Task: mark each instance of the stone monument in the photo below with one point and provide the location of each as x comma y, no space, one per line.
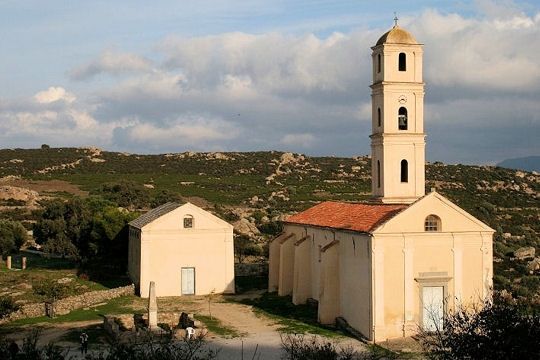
152,307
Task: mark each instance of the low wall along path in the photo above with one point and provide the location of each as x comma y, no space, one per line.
66,305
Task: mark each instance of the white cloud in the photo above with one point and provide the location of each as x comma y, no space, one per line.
54,116
54,94
238,91
494,54
270,63
190,130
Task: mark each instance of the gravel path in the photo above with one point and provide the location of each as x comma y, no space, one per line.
260,338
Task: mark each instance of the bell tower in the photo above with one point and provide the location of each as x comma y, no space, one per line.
397,139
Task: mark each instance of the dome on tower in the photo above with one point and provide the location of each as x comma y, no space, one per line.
397,35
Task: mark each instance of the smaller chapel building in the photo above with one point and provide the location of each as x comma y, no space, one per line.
404,259
184,249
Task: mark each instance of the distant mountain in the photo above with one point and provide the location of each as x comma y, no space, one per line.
529,163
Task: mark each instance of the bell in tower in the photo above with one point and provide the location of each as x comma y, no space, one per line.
397,139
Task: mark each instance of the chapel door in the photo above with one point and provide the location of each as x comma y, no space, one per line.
433,307
188,281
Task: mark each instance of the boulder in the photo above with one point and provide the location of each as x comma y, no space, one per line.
243,226
534,265
524,253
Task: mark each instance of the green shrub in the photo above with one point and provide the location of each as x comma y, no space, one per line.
497,330
7,306
50,290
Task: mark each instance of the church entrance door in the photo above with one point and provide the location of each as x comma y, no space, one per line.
433,307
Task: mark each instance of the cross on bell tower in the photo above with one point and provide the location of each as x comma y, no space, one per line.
397,139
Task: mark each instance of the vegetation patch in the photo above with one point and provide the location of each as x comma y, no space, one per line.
121,305
215,326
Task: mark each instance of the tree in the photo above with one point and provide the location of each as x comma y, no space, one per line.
12,236
45,147
84,229
245,246
496,330
63,227
128,194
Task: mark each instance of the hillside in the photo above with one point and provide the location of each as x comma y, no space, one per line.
256,189
528,163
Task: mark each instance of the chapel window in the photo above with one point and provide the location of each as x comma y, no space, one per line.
188,222
404,171
379,117
402,62
432,223
402,118
379,63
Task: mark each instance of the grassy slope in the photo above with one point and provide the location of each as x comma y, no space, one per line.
504,199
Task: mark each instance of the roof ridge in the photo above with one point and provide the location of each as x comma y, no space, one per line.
154,214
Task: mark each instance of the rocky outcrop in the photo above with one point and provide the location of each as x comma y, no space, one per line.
534,265
525,253
245,227
16,193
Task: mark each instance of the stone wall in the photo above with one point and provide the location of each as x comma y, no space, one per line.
64,306
257,269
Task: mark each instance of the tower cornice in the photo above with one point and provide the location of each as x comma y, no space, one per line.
390,84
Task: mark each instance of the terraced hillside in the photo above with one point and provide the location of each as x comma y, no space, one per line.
256,189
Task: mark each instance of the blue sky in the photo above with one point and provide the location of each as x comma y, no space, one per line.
171,76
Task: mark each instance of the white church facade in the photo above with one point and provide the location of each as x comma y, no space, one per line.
403,259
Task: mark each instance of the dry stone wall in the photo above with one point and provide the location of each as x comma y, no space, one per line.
64,306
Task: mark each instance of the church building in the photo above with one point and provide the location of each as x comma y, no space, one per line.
183,249
403,259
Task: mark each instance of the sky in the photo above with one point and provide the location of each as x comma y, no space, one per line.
171,76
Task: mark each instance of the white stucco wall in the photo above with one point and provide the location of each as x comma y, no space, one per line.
166,247
459,257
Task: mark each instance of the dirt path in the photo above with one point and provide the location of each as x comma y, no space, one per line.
53,332
260,338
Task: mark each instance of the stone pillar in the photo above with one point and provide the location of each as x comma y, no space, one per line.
23,262
152,307
8,262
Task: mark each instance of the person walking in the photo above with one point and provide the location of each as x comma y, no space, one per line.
84,343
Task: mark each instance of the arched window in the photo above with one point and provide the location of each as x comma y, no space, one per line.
404,171
402,62
402,118
378,116
188,222
379,63
432,223
378,173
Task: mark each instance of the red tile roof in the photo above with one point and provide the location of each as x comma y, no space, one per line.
349,216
